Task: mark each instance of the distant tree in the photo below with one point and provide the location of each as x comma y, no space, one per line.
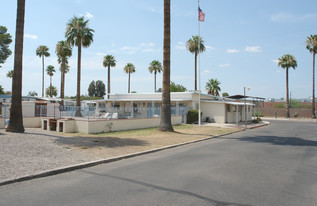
5,41
100,89
1,90
32,94
287,61
50,70
311,45
10,74
177,87
225,94
109,61
92,89
195,46
129,69
42,51
79,34
155,67
133,92
51,91
212,86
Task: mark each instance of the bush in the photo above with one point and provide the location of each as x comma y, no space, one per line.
295,115
259,119
258,113
192,116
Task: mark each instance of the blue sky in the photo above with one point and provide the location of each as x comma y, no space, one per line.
243,38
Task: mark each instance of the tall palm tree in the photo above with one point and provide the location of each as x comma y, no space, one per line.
195,45
129,69
50,70
109,61
79,34
16,120
155,67
287,61
166,119
311,45
10,73
212,86
42,51
63,51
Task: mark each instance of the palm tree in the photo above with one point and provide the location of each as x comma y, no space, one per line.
16,120
79,34
155,67
50,71
10,73
63,51
311,45
129,69
212,86
166,120
195,46
42,51
287,61
109,61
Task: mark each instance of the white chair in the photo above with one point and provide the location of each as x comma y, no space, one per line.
106,116
114,115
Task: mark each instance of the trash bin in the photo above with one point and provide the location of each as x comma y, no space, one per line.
207,119
275,114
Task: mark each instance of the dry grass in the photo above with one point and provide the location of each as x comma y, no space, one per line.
113,144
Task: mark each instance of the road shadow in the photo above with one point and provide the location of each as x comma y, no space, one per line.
108,142
157,187
274,140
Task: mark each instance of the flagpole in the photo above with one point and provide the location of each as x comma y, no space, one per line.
199,113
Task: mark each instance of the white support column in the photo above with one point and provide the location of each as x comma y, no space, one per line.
152,109
132,111
237,114
177,108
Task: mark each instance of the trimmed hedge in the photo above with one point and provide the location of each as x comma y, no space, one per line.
192,116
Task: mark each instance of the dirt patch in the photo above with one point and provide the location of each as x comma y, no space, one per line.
113,144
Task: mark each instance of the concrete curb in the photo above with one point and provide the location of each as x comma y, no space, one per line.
108,160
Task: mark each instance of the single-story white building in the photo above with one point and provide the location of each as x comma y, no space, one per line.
214,108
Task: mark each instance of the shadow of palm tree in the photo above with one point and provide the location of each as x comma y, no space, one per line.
274,140
109,142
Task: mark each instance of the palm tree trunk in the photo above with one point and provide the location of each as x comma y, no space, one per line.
42,75
166,120
154,82
16,119
108,80
51,86
62,80
195,71
129,84
78,113
287,101
313,106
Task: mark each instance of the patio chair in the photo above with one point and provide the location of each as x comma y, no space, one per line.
106,116
114,115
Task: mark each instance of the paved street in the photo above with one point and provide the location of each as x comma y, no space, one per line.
272,165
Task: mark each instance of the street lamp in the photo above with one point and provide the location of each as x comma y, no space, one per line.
245,106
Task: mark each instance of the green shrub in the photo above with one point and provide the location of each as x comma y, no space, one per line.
295,115
258,113
192,116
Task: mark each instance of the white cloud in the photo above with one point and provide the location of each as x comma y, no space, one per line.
150,50
180,45
224,65
275,61
210,47
129,50
253,49
31,36
147,44
88,15
230,51
288,17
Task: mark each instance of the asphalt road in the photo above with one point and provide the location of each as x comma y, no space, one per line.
272,165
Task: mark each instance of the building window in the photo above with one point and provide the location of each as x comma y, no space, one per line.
228,107
233,108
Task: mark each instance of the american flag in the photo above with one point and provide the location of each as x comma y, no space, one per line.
201,15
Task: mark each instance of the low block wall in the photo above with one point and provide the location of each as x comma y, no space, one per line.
28,122
100,126
281,112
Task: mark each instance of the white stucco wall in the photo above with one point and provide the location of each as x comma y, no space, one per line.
215,111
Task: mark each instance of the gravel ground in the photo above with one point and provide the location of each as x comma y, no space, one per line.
35,151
